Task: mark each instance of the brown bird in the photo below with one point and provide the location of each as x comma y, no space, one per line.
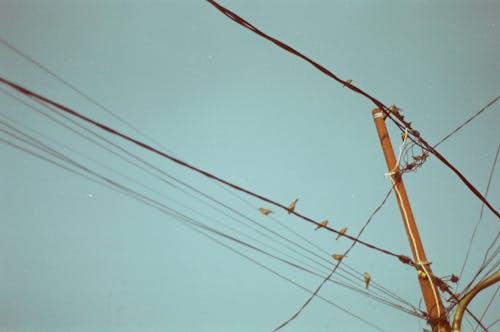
341,232
348,82
367,277
321,224
337,257
291,207
422,157
395,110
265,211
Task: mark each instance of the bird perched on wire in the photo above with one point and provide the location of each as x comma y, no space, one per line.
321,224
265,211
341,232
395,110
291,207
367,277
337,257
348,82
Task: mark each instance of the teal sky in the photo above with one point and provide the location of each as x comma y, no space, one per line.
78,256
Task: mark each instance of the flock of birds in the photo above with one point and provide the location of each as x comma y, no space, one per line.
324,223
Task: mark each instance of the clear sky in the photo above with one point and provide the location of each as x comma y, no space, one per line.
79,256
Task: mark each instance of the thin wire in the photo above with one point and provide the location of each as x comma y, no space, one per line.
192,222
335,267
494,323
349,85
51,151
486,261
378,298
480,214
174,179
373,283
78,91
466,122
488,306
180,162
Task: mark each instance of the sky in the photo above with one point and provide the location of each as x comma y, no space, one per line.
78,254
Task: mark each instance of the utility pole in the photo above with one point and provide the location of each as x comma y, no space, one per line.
436,313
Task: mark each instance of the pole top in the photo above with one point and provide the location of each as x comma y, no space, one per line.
378,113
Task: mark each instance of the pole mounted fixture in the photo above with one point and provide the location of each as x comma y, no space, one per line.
436,313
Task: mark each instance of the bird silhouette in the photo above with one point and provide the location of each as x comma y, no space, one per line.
265,211
321,224
341,232
367,277
291,207
337,257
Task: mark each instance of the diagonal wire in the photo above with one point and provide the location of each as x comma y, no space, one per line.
399,121
171,212
487,306
182,163
336,265
480,214
49,150
466,122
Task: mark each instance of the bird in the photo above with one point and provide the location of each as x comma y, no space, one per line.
395,110
291,207
341,232
367,277
265,211
348,82
422,157
321,224
337,257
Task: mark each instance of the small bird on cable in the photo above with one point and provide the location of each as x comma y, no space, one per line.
265,211
337,257
367,277
341,232
422,157
321,224
291,207
348,82
395,110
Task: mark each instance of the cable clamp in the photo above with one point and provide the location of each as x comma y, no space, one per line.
423,263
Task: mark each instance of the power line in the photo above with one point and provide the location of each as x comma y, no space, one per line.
480,214
466,122
143,145
75,89
488,306
233,16
378,298
179,216
336,265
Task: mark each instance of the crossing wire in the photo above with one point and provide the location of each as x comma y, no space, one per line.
396,118
336,265
172,212
54,153
207,174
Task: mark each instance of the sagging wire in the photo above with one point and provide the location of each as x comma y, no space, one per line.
160,206
396,117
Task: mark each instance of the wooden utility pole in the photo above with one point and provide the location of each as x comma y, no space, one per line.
436,313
